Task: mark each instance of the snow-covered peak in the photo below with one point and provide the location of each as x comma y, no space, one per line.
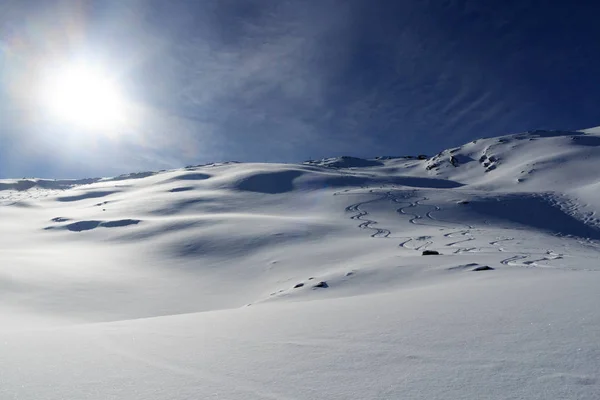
470,274
536,160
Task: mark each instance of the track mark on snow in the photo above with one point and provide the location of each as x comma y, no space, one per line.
365,222
466,232
460,241
517,261
500,240
467,250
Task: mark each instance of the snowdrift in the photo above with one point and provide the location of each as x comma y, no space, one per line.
255,281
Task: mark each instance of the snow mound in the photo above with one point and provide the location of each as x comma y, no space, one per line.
212,279
522,162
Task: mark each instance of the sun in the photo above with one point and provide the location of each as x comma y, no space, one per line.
83,96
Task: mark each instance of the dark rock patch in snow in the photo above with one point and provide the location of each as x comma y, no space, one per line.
483,268
321,284
460,159
430,253
465,266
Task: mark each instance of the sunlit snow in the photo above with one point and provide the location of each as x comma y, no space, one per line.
308,281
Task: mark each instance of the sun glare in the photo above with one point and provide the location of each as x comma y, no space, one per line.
83,96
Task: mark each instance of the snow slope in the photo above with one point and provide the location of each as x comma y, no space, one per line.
264,281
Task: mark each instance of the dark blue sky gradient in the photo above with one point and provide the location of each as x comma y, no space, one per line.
288,80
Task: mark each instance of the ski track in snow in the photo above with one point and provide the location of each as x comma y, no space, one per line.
367,223
173,300
427,219
408,209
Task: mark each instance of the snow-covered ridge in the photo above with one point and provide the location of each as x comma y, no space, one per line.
62,184
253,281
523,155
538,147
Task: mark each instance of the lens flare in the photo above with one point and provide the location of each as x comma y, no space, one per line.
83,96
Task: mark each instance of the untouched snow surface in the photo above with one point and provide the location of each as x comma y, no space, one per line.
272,281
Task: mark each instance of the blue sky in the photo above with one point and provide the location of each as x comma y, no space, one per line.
284,81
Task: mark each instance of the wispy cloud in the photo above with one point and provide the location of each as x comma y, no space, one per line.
283,80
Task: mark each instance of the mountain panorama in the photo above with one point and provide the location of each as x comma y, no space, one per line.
470,274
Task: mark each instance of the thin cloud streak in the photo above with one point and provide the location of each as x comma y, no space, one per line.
284,81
